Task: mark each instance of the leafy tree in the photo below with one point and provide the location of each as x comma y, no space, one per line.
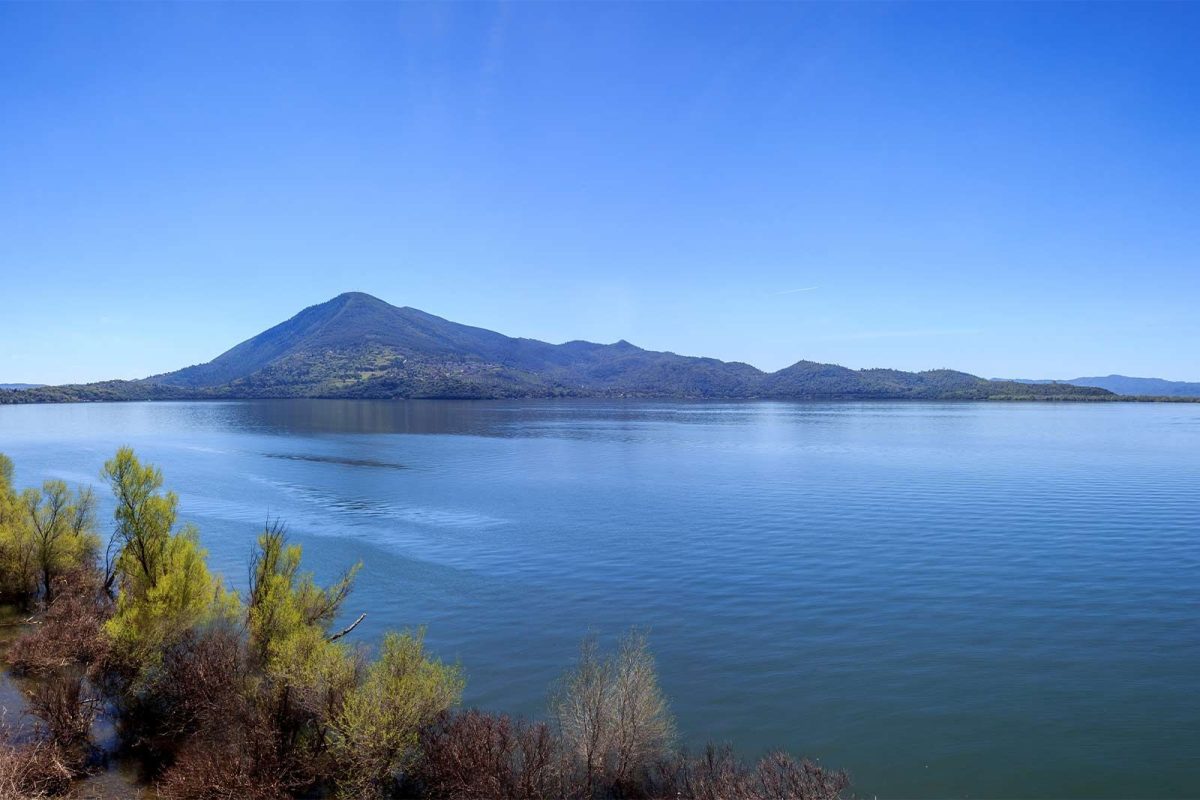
165,587
61,525
6,491
17,568
144,519
308,672
44,533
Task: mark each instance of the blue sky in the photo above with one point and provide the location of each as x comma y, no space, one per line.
1004,189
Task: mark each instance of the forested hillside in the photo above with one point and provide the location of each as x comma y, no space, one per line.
357,346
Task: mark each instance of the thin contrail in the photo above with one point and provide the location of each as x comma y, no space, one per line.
793,291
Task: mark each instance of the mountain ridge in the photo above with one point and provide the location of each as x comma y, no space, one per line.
1128,386
358,346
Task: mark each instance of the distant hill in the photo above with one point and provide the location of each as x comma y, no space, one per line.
357,346
1125,385
20,385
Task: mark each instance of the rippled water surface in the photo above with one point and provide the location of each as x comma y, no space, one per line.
949,600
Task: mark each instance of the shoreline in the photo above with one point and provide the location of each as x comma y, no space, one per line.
1065,400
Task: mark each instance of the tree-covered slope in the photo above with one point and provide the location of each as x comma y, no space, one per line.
1126,385
356,345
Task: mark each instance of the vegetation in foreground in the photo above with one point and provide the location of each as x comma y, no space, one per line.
220,695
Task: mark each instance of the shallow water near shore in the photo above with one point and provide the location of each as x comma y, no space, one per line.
946,599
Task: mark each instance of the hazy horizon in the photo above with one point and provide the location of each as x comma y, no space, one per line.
1006,190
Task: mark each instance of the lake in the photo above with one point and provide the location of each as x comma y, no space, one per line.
946,599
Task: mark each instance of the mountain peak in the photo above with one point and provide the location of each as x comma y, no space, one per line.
353,298
356,345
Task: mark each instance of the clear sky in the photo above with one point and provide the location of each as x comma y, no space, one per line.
1012,190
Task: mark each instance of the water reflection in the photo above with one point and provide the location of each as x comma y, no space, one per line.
457,417
509,418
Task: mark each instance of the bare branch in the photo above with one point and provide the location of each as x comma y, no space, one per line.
346,630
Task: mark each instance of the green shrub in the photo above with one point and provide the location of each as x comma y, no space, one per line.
285,604
378,727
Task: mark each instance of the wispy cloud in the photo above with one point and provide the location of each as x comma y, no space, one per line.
795,291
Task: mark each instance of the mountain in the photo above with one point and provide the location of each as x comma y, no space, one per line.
1125,385
358,346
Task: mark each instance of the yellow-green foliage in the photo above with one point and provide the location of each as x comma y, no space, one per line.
144,518
61,524
288,618
184,596
7,498
17,571
165,587
308,659
360,721
43,533
286,605
377,727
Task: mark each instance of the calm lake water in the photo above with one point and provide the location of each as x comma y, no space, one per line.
948,600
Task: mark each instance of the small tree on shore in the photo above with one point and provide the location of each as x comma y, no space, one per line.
44,534
612,715
61,525
162,576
